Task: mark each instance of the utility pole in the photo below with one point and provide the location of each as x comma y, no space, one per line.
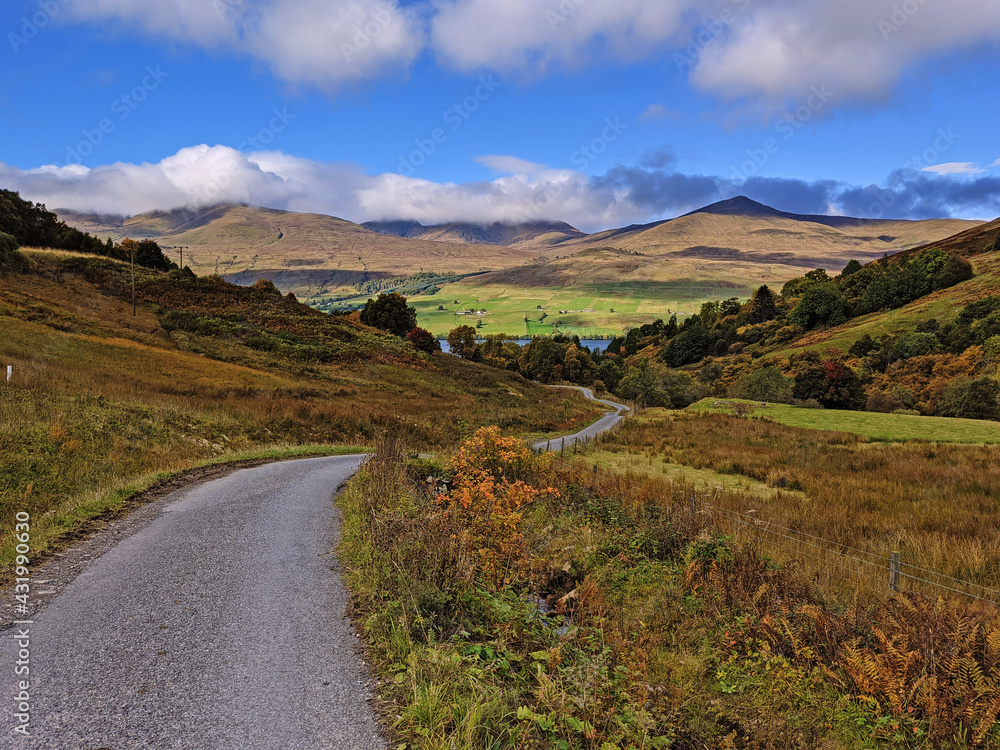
132,256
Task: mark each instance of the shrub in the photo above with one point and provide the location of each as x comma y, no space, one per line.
882,402
490,473
765,384
266,286
423,340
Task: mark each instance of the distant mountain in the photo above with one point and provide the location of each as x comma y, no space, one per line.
743,230
306,253
743,206
737,242
503,235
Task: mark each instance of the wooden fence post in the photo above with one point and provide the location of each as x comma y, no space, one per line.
894,567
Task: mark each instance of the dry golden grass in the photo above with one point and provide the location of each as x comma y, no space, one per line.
834,496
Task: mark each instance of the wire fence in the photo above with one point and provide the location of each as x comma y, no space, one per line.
839,570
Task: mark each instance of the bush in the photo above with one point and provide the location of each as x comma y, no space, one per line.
490,472
765,384
882,402
10,258
266,286
423,341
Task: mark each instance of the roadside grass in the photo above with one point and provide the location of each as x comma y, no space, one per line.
100,399
935,503
704,481
873,425
629,621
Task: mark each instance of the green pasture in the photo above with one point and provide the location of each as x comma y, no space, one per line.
881,427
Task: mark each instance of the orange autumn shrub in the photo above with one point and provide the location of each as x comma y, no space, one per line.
491,476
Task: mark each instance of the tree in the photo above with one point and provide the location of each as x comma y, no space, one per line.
610,373
462,341
971,399
541,360
832,384
798,287
765,384
266,286
150,255
852,268
642,386
762,306
390,313
423,340
10,258
821,305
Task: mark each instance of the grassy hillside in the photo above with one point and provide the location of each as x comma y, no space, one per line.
204,371
941,305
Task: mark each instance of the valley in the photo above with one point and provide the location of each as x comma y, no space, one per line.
604,282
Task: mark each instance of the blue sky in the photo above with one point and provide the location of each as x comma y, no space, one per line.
597,112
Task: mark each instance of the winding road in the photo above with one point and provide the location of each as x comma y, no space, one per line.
221,624
603,424
219,620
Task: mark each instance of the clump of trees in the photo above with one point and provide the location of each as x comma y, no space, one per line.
33,225
390,313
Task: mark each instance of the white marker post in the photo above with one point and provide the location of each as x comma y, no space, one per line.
10,372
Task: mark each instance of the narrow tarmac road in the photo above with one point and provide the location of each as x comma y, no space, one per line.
603,424
221,624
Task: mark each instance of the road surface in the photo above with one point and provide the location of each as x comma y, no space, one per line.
603,424
221,624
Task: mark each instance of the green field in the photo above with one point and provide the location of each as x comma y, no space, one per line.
613,307
881,427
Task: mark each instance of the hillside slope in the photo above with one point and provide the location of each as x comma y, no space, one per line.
207,370
943,306
310,254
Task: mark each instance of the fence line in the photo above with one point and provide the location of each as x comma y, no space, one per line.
892,569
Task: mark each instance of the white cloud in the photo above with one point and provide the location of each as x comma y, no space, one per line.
509,165
323,42
778,49
532,35
658,112
205,175
996,163
955,167
768,51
